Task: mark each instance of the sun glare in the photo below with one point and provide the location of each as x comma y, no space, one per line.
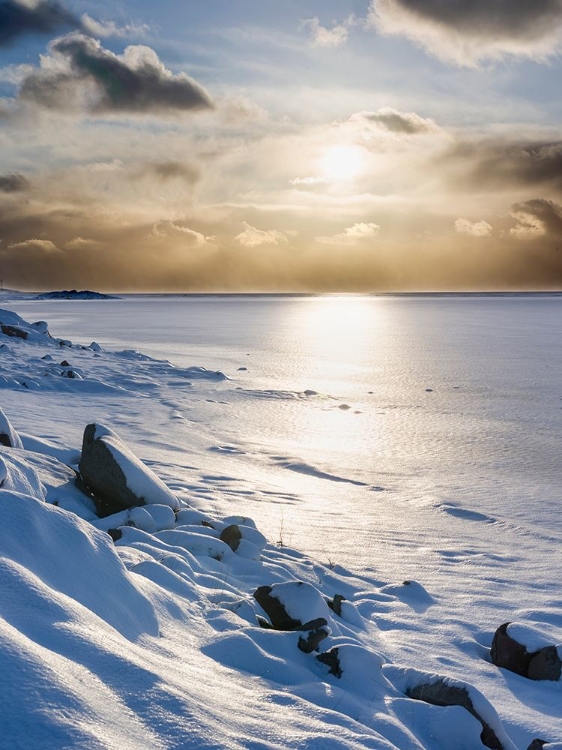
340,163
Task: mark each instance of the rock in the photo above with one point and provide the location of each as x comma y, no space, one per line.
231,535
8,436
509,654
65,363
291,604
14,331
317,631
441,693
116,478
331,660
539,664
277,613
115,534
335,604
545,665
537,744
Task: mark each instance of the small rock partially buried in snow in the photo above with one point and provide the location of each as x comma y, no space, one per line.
116,477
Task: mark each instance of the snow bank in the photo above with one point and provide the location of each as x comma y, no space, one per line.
155,636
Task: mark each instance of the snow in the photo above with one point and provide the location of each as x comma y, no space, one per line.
530,637
153,641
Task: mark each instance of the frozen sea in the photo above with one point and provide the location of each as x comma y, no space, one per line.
403,438
385,407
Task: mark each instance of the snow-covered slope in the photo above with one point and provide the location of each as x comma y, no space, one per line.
141,629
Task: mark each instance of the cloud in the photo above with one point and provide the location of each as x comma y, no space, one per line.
321,36
81,74
465,32
308,181
537,218
252,237
352,235
166,229
18,17
402,123
110,28
505,163
13,183
476,229
34,245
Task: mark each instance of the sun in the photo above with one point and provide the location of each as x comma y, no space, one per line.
342,163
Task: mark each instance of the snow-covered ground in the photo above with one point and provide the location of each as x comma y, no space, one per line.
387,440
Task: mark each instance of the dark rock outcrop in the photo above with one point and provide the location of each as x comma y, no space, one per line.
275,610
331,659
317,631
232,536
335,604
441,693
506,652
106,469
14,331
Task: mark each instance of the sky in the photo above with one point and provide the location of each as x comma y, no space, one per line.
311,146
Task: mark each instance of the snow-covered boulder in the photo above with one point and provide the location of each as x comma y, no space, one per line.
526,651
116,477
238,536
438,690
8,436
292,604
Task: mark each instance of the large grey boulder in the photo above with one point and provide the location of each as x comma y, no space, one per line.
115,477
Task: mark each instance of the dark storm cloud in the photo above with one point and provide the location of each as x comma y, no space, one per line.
96,79
492,164
466,31
13,183
516,18
45,17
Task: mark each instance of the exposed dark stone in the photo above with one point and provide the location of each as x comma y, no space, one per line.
5,440
14,331
545,665
231,536
332,660
335,604
105,479
509,654
439,693
537,745
115,534
263,623
106,464
317,632
506,652
65,363
275,610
